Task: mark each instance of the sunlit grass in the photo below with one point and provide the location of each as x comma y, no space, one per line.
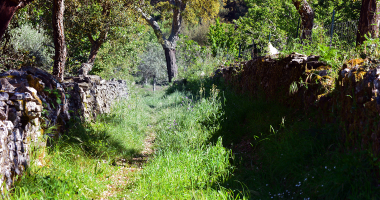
210,143
80,164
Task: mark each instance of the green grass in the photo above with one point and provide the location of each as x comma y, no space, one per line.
210,143
186,164
80,164
282,152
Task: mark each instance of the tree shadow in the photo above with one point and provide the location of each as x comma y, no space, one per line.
275,146
95,142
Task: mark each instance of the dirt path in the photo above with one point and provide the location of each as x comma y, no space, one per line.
126,169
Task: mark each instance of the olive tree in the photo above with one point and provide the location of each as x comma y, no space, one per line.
178,10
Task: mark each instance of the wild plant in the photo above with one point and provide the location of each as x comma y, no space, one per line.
34,43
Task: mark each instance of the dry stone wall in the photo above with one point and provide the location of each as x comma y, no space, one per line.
310,77
351,98
32,100
90,95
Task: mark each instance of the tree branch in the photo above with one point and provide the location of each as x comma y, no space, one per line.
179,7
157,30
22,4
177,20
90,38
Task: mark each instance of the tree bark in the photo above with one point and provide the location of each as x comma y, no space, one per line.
368,21
154,83
7,10
96,44
171,63
307,16
59,39
169,44
94,52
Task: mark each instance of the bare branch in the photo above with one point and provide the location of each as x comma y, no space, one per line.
157,30
90,38
179,6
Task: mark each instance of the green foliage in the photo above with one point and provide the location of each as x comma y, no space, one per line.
197,32
185,174
345,10
153,63
119,58
370,47
186,165
278,18
98,20
205,10
222,36
34,43
195,61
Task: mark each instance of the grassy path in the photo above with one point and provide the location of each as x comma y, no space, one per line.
172,144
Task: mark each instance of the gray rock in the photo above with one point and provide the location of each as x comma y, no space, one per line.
6,86
18,104
4,96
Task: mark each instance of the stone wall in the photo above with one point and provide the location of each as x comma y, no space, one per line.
90,95
351,98
273,78
31,100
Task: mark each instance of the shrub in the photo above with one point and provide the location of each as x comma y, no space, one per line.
153,63
198,32
195,61
119,57
34,43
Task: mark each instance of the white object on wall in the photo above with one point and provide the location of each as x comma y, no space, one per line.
272,50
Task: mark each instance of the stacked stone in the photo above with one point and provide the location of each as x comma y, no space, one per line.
20,114
353,98
358,103
24,94
90,95
273,78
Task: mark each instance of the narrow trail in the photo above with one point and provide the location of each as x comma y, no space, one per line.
126,169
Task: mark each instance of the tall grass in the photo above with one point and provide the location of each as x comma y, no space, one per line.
210,143
281,152
186,164
80,165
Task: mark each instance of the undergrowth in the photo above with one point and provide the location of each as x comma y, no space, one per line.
79,165
186,165
210,143
286,153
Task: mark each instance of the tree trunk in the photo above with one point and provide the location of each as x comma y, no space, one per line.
94,52
59,39
307,16
154,83
169,44
96,44
368,21
171,63
7,10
